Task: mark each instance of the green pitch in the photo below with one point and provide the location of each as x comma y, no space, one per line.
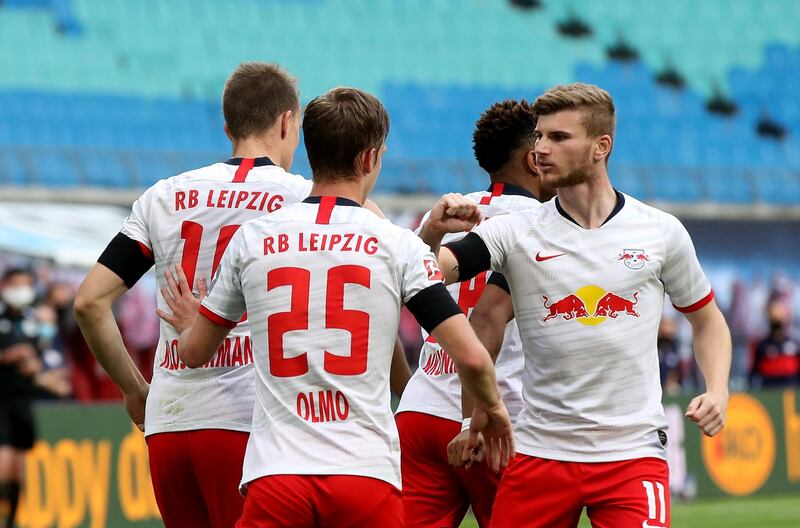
781,511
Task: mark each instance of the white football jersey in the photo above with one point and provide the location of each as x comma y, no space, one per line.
189,219
588,304
434,388
323,283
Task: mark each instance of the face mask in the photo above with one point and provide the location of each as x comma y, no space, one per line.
47,331
18,296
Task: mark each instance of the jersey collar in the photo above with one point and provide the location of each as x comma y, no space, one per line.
257,162
497,188
338,201
617,208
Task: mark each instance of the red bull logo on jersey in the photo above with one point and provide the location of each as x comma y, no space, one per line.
590,305
634,259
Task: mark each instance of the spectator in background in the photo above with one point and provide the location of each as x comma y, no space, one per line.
669,357
60,296
139,326
777,359
19,365
53,379
739,316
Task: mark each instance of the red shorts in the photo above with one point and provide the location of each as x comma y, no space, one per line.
536,492
435,494
196,476
309,501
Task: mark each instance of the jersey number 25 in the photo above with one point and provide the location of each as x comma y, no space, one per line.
354,321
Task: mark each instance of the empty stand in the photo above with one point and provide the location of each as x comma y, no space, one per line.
140,83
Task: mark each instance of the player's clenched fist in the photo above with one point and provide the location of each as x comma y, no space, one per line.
453,213
708,412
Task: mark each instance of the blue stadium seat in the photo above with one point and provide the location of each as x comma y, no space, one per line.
145,95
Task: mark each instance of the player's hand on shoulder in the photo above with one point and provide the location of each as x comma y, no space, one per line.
459,452
498,435
181,300
135,403
453,213
708,411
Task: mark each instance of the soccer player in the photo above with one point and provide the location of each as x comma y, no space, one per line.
429,413
587,274
188,220
322,283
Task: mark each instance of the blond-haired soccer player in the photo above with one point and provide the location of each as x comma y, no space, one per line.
430,414
587,273
322,283
188,220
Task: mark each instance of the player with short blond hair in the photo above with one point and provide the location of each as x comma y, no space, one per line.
587,273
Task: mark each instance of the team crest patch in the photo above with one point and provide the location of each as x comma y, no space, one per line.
634,258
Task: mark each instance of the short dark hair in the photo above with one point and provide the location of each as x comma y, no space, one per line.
17,270
339,125
501,130
255,95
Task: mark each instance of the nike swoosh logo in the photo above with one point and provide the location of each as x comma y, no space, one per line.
540,258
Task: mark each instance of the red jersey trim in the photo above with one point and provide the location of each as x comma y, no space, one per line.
146,251
497,190
696,306
216,319
244,168
326,204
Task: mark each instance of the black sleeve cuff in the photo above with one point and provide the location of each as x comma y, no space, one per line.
125,257
472,255
498,280
432,305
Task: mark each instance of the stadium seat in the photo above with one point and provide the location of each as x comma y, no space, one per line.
441,75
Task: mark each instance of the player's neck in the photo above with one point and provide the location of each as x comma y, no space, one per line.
352,190
253,147
516,178
516,171
589,203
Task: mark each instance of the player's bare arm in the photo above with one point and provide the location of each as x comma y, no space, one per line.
401,372
488,319
93,302
711,341
453,213
198,343
476,372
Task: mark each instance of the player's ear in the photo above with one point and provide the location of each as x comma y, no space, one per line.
366,160
603,147
227,132
530,162
286,123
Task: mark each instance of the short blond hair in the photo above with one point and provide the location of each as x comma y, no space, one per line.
596,104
